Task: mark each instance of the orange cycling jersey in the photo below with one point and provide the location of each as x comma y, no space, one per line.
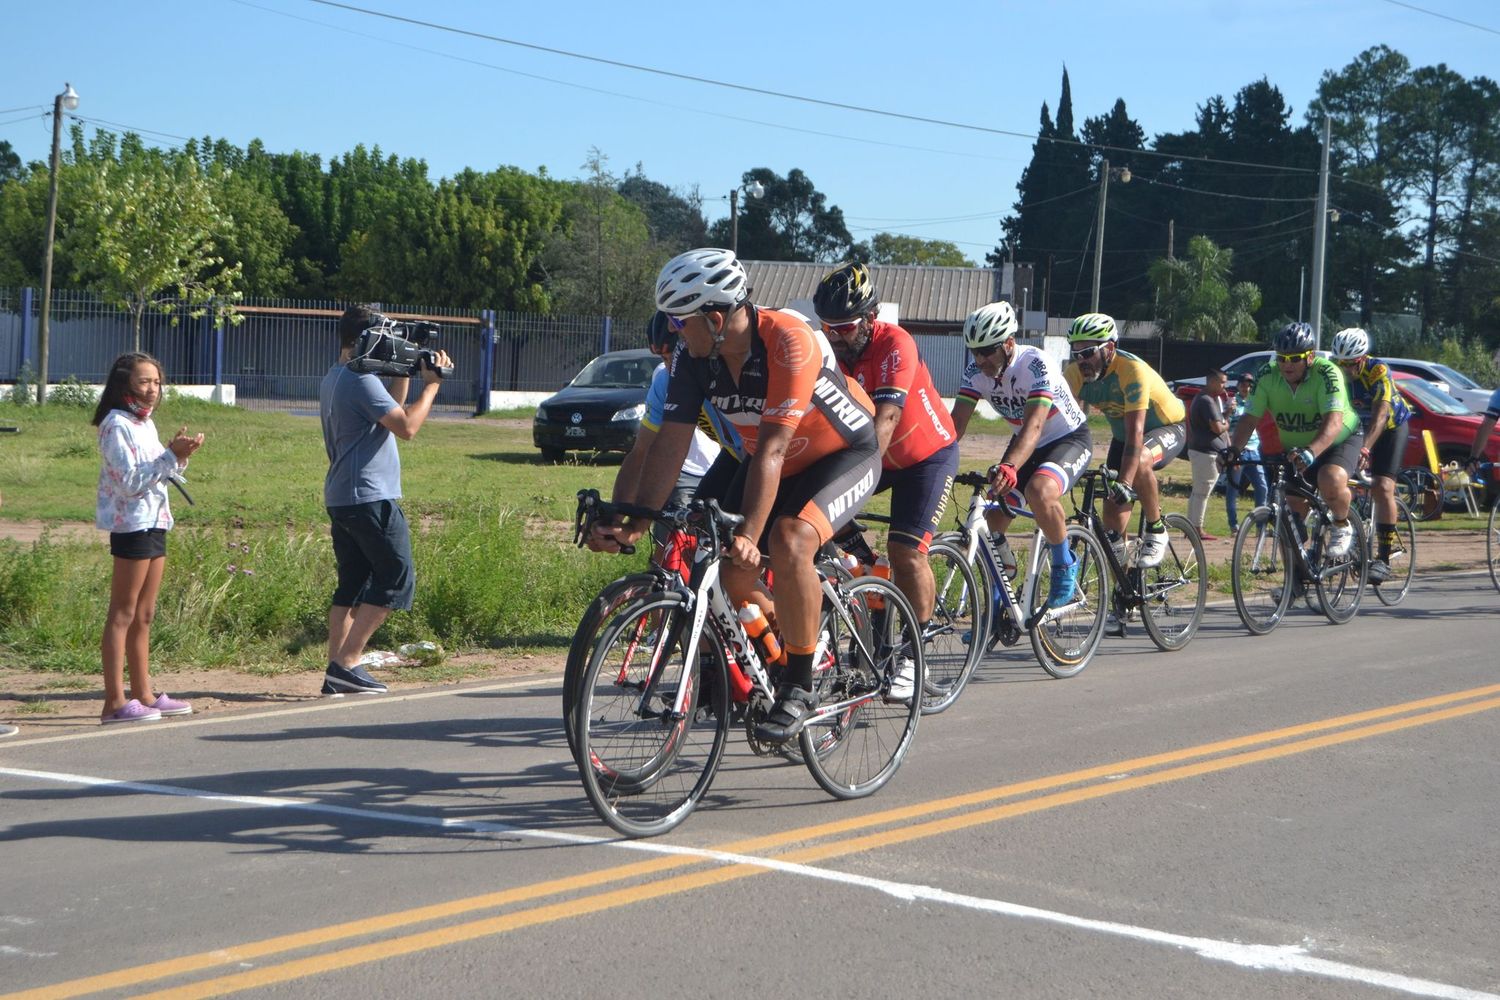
789,378
891,371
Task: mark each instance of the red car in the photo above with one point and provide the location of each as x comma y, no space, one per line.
1452,424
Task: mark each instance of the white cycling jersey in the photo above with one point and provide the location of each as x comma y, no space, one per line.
1031,377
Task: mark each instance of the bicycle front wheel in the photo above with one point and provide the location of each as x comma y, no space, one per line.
860,733
1174,591
957,616
1261,573
1064,641
1492,544
586,639
1403,559
1341,581
646,754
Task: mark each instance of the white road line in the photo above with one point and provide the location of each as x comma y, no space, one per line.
1260,957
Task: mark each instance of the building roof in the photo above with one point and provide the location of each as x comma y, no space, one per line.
925,294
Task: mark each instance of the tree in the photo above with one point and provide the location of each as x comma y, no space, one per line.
10,164
602,259
791,221
1195,299
898,248
675,219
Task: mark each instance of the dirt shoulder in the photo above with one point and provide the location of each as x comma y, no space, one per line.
49,703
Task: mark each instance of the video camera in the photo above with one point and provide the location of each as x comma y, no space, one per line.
398,349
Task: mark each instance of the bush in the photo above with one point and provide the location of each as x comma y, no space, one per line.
72,392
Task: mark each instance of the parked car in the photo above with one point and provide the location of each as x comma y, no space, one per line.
599,410
1187,388
1451,422
1456,384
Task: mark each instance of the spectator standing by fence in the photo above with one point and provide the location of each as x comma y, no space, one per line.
1208,434
132,506
1235,477
371,539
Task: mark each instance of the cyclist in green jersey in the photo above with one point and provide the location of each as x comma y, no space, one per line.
1145,420
1307,398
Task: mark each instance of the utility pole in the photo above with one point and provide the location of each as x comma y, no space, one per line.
68,100
1320,241
1099,232
1171,238
734,221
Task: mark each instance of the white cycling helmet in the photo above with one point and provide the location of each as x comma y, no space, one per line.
707,278
1093,326
1350,344
991,325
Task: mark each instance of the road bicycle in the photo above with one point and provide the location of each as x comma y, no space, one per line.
1276,555
1169,596
1403,561
1492,531
950,657
1064,639
659,691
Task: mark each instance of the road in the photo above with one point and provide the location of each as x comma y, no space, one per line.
1308,814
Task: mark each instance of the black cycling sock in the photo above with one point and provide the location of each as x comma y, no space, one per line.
1385,534
799,670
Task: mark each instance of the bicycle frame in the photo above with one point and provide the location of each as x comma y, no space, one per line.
976,535
1282,488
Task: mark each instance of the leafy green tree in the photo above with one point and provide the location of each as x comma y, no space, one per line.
676,220
148,233
10,164
602,260
791,221
1195,298
898,248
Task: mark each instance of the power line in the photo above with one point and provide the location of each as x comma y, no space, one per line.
1224,194
1445,17
24,107
783,95
23,118
130,128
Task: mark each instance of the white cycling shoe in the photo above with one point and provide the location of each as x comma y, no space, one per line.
1153,549
1340,541
904,684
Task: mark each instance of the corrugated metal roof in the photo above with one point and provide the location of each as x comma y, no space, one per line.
943,295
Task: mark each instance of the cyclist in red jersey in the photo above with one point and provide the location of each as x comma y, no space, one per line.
810,435
918,445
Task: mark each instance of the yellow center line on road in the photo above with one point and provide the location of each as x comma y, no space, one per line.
629,895
321,936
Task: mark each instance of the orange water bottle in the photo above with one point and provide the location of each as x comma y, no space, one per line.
754,620
882,569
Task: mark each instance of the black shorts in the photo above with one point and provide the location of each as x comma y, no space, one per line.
372,547
1061,460
715,482
1161,444
827,494
919,495
148,544
1390,448
1345,455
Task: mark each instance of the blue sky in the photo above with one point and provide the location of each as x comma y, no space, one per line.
300,75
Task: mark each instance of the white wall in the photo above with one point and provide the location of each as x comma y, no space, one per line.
212,393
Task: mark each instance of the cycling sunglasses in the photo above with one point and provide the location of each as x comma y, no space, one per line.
842,328
1088,352
1287,359
984,352
676,323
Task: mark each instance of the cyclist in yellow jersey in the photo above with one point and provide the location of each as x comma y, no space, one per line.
1145,419
1373,391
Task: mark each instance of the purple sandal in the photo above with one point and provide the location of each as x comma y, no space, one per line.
131,711
167,705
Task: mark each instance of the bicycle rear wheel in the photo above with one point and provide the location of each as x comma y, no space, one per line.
1341,582
1065,642
858,738
1492,544
645,765
1174,591
1261,573
957,614
1403,561
1421,491
590,630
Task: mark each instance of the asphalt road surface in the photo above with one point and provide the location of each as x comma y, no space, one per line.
1310,814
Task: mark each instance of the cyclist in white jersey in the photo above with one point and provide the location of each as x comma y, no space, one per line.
1050,443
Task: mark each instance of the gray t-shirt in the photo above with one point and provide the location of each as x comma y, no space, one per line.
1205,410
363,464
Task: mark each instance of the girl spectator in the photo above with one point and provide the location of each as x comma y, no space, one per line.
132,507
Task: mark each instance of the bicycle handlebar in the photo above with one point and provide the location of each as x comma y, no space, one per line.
979,481
592,508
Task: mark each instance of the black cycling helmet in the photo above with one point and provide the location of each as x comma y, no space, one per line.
1294,338
845,292
659,334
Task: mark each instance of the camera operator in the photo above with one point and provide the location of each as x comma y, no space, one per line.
371,540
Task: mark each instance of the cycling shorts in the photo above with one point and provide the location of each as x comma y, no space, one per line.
1385,457
1061,460
1345,455
1160,444
827,494
919,495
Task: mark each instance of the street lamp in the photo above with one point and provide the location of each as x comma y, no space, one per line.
754,189
67,100
1104,171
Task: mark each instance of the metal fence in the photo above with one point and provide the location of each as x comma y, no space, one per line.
279,351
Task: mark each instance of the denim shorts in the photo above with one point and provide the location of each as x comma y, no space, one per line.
148,544
372,547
